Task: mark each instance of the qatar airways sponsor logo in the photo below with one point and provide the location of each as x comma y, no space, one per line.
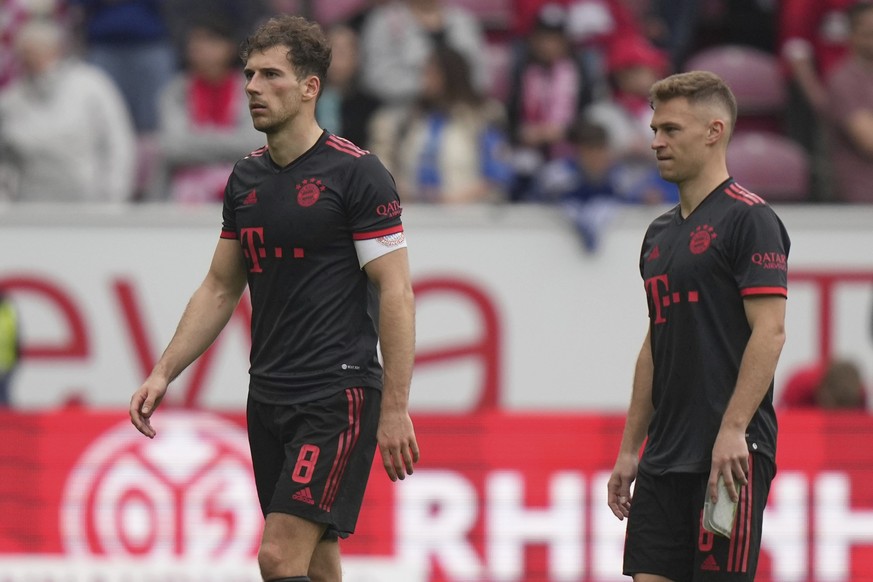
390,210
772,260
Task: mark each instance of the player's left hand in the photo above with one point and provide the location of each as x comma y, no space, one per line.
618,487
730,458
397,444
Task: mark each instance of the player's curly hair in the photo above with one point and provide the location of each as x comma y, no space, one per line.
308,48
697,87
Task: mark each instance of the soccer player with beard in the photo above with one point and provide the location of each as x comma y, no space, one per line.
311,223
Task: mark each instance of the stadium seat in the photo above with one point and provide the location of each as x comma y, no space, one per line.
754,76
770,165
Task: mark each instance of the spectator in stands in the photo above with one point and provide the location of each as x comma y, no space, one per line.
129,40
683,27
356,19
544,96
449,146
15,14
831,385
850,94
590,183
64,129
842,387
205,126
10,346
633,67
344,107
592,26
398,37
243,16
813,40
671,25
593,22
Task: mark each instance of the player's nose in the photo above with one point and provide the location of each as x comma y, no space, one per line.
252,86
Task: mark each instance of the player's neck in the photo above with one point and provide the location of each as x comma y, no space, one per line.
695,190
288,144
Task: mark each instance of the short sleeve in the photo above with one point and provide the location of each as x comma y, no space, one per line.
372,202
760,253
228,216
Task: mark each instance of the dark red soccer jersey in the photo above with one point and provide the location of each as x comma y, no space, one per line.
313,329
697,271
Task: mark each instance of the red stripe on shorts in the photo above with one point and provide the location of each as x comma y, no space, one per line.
738,554
345,446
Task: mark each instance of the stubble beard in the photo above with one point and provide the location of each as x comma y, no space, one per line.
271,124
266,126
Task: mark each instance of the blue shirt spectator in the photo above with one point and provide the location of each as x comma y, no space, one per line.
590,183
129,40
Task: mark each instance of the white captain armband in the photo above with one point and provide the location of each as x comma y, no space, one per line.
373,248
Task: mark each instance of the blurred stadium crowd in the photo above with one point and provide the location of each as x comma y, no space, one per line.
464,100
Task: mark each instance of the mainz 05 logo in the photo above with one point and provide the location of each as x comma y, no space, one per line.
189,493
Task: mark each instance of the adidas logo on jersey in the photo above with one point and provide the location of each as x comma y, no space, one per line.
304,496
710,565
252,198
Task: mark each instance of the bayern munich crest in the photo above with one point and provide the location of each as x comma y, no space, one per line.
701,238
392,240
308,191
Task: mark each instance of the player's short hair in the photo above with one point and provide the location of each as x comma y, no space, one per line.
308,46
697,87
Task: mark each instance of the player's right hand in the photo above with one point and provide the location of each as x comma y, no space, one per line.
143,404
618,486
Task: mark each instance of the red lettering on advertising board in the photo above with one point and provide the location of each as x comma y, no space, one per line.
826,283
486,348
75,344
146,355
527,502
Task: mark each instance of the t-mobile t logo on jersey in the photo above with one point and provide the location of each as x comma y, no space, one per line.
252,241
254,249
660,297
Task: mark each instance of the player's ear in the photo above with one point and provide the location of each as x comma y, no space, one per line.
717,130
311,87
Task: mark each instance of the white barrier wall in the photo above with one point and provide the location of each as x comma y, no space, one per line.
511,310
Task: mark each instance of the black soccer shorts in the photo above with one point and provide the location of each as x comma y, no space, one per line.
313,459
665,534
